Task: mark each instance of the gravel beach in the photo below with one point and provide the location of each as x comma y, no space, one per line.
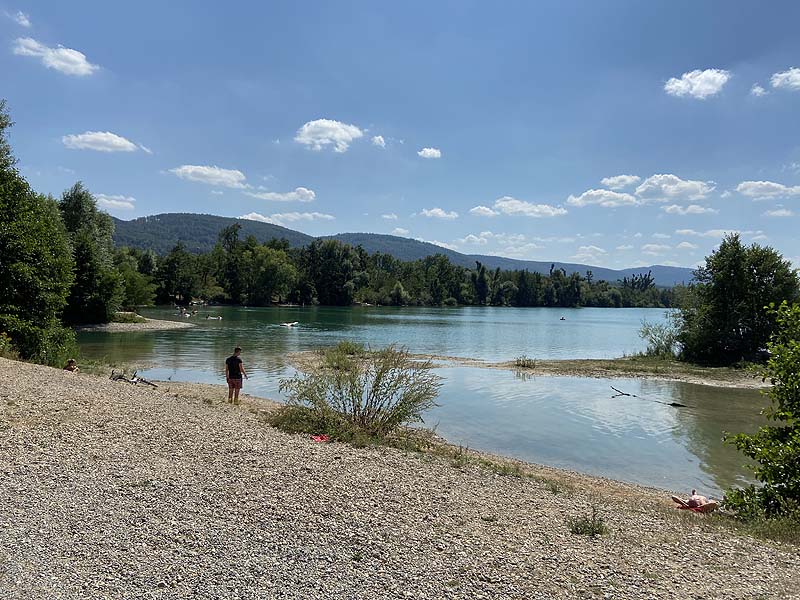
148,325
108,490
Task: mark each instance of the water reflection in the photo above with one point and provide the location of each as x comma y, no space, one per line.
567,422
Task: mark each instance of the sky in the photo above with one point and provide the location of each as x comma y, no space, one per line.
615,134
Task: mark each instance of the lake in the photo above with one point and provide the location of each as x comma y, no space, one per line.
567,422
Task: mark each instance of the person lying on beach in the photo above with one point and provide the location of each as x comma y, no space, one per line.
72,366
696,503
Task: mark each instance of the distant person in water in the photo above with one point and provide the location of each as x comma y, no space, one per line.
72,366
234,371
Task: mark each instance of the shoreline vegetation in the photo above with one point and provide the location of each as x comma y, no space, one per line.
219,499
132,326
634,367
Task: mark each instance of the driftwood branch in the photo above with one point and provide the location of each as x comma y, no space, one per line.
621,393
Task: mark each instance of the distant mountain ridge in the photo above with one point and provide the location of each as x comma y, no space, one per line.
198,232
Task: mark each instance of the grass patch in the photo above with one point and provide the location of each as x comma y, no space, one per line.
785,529
127,317
591,525
525,362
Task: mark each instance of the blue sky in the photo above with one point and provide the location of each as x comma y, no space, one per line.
615,134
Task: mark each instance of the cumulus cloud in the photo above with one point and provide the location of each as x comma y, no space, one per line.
327,132
618,182
604,198
789,79
483,211
758,91
115,202
65,60
20,18
589,253
655,249
299,194
762,190
692,209
474,239
711,233
430,153
625,247
686,246
698,84
101,141
661,236
779,212
439,213
400,231
389,216
666,186
442,244
511,206
379,141
290,217
211,175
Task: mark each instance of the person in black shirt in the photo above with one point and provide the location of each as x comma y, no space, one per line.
234,370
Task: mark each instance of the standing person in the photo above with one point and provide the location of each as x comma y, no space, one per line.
234,370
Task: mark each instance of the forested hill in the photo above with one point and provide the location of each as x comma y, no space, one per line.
199,234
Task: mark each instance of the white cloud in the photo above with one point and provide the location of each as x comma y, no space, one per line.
590,253
604,198
101,141
217,192
20,18
661,236
439,213
327,132
726,194
625,247
666,186
686,246
284,218
474,239
211,175
711,233
389,217
299,194
618,182
65,60
400,231
442,244
692,209
379,141
118,201
655,249
789,79
483,211
511,206
430,153
779,212
761,190
758,91
698,84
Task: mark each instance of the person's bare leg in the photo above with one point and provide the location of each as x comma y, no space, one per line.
236,396
230,393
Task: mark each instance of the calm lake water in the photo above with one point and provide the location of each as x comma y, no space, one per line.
566,422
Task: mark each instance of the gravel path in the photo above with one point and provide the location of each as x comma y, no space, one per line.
113,491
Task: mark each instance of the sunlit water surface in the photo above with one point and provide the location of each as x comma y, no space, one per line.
567,422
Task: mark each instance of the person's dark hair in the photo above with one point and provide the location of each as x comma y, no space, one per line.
237,349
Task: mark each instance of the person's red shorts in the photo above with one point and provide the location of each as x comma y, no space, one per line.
235,384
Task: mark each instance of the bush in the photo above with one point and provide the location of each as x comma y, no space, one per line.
525,362
369,395
588,525
7,349
776,448
127,317
661,338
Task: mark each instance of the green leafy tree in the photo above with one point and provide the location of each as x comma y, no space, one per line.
722,318
138,288
98,290
776,448
178,279
270,275
35,265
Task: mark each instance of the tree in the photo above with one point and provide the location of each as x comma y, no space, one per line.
177,278
98,290
269,274
722,318
35,265
138,288
776,448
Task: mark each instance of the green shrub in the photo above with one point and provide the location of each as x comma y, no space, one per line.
370,395
592,525
661,338
127,317
525,362
776,448
7,349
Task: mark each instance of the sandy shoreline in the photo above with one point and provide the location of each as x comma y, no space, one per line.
113,490
617,368
148,325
